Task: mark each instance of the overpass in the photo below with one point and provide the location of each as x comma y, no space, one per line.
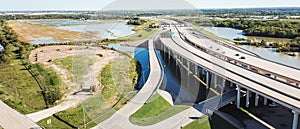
231,54
220,66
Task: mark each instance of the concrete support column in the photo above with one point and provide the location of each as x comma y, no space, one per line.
238,98
231,84
256,99
265,101
247,98
295,119
223,82
215,80
196,70
188,74
188,66
207,79
169,54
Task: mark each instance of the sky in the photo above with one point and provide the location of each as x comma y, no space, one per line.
7,5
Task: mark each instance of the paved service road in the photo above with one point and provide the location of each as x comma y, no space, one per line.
11,119
120,120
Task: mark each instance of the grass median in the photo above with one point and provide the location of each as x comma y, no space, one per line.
158,109
201,123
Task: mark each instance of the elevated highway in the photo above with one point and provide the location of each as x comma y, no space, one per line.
269,88
232,54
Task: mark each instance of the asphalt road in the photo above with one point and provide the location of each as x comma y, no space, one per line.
11,119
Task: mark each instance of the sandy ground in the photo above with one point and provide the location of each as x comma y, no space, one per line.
45,54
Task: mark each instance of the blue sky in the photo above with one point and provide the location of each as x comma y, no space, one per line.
99,4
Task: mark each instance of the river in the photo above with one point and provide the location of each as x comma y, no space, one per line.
267,53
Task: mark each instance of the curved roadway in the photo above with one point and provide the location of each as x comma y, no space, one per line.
275,90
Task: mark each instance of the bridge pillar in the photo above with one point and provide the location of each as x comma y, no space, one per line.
256,99
223,82
238,98
169,54
196,70
215,80
207,79
247,98
265,101
188,74
295,119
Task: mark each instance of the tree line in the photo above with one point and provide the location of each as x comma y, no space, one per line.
46,16
48,80
265,28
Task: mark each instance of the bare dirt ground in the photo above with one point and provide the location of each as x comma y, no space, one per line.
47,54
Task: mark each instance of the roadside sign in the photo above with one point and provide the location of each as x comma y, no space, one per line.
172,33
49,121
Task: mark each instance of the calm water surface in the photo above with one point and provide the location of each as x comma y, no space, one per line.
267,53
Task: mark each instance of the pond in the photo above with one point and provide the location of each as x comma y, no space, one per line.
109,30
267,53
1,47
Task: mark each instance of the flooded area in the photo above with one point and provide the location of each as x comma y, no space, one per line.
54,31
267,53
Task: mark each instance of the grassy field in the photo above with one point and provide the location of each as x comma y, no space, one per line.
102,105
26,30
158,109
201,123
141,32
18,88
55,124
77,65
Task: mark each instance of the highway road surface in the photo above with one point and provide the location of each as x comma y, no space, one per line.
11,119
270,88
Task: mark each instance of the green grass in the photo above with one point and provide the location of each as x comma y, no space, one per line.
158,109
77,65
141,32
55,124
18,88
201,123
50,82
102,105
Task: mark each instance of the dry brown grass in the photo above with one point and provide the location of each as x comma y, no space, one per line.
26,31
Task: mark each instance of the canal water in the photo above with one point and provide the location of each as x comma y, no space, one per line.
266,53
142,56
171,84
